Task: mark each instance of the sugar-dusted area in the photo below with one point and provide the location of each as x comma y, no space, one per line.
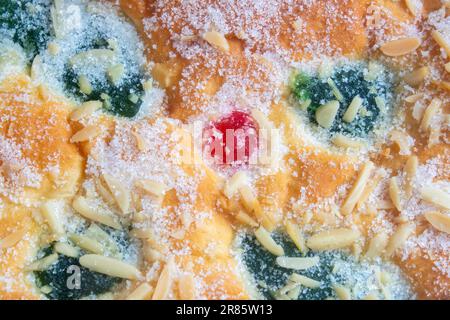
104,107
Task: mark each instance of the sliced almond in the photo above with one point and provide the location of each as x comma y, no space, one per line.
414,98
371,296
142,292
294,293
142,233
153,188
188,38
414,6
305,281
86,134
165,282
343,141
46,289
148,85
394,193
441,41
282,292
104,193
217,40
109,243
151,255
343,293
429,113
353,109
120,193
83,207
109,266
268,243
401,47
370,187
399,238
436,196
358,188
385,205
435,135
297,263
337,93
43,264
326,114
140,142
410,169
52,214
233,184
133,97
85,110
252,205
377,245
333,239
87,243
66,250
85,85
439,221
245,219
416,77
296,236
116,73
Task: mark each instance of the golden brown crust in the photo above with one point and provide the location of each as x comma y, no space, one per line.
196,220
321,173
41,131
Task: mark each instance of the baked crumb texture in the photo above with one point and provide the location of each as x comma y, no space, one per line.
98,101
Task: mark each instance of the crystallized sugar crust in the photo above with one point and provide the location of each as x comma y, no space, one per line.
372,208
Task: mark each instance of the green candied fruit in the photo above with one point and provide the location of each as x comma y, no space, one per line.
26,22
124,100
270,277
351,82
301,88
60,275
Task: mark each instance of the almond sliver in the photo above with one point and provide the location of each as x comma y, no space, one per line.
297,263
400,47
439,221
333,239
436,196
217,40
86,134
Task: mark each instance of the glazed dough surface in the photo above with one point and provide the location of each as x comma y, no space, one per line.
189,231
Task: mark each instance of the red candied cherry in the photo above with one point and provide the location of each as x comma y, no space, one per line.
232,139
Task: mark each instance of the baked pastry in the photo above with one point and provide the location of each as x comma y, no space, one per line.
224,149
